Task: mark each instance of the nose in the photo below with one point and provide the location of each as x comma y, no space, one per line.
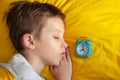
64,44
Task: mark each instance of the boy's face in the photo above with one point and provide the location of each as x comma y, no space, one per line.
51,45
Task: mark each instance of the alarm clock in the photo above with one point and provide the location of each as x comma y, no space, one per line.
83,48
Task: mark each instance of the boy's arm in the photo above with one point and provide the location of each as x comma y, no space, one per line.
64,70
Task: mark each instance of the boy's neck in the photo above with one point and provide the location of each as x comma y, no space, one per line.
36,63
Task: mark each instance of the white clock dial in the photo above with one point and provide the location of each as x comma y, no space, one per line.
82,48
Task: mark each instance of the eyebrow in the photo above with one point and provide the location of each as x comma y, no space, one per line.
58,30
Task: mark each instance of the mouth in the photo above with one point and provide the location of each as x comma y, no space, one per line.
62,53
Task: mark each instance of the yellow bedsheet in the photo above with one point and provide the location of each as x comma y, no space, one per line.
99,20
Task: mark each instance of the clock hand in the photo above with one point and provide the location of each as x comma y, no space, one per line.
82,49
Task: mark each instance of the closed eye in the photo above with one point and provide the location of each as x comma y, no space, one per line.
56,37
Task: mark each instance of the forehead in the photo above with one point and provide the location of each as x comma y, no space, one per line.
54,24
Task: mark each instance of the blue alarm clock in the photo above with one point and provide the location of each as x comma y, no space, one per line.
83,48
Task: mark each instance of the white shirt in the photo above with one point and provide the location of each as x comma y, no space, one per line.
21,69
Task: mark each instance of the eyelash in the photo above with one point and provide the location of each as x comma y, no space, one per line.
56,37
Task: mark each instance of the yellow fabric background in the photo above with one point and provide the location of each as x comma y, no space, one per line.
99,20
5,75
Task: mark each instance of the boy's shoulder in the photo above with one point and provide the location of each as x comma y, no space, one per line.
5,74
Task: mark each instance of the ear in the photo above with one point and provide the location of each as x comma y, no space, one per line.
28,41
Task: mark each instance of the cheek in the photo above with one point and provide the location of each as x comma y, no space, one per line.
49,44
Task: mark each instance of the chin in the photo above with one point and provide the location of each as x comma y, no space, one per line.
56,63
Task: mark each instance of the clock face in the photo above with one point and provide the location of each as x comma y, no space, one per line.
82,49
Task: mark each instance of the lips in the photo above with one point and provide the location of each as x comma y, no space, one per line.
62,53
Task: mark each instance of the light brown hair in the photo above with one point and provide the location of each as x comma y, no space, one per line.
28,17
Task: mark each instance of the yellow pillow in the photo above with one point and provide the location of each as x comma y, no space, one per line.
99,20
